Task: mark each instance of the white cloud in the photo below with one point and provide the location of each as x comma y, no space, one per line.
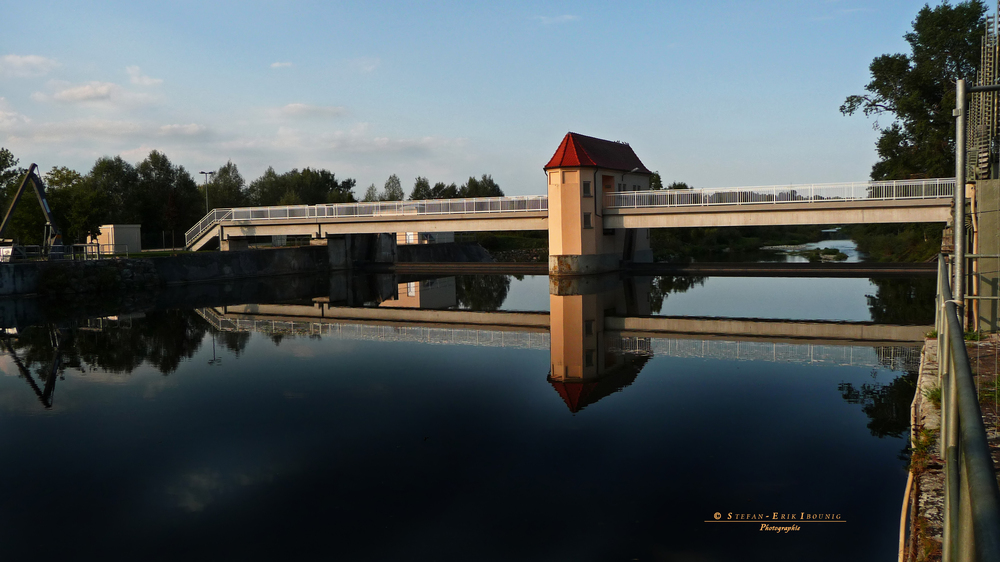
10,119
85,129
549,20
366,64
137,77
306,110
188,130
94,93
91,91
280,64
29,65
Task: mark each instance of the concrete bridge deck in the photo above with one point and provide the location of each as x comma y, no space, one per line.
843,203
898,355
678,327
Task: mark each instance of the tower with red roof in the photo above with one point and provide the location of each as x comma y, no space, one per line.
582,170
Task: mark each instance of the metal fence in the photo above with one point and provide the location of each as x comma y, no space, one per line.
972,497
775,194
74,252
528,203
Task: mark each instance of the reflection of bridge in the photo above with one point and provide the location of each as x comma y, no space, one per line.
847,203
527,331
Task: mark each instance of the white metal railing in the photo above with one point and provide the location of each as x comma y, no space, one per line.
776,194
896,358
525,203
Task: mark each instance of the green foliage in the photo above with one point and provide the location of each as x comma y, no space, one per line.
482,187
934,395
295,187
922,449
392,190
726,244
227,188
655,182
904,242
421,189
679,185
917,91
371,194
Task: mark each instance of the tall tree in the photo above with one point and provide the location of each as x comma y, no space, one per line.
371,194
393,190
421,189
917,92
227,188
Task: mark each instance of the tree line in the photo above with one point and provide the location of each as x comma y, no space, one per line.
166,199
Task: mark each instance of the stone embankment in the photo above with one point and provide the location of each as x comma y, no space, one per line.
926,496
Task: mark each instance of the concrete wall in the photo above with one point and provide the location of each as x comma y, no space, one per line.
988,220
126,238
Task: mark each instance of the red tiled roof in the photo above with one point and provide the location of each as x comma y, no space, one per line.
581,150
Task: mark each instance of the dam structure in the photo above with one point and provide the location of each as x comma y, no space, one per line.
598,210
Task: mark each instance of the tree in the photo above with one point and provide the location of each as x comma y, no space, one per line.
679,185
169,197
655,182
917,91
371,194
483,187
118,182
27,223
442,191
267,189
227,188
393,190
421,189
77,207
305,187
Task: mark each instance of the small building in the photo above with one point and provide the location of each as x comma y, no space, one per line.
581,172
119,238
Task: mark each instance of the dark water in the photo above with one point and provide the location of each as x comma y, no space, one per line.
172,434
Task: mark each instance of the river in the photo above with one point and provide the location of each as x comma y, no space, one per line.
247,432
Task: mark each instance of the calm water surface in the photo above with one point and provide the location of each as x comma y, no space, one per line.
171,436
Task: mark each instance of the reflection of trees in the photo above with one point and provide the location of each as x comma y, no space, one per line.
886,405
902,301
482,292
161,339
662,286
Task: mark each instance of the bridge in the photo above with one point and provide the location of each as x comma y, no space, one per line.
836,343
927,200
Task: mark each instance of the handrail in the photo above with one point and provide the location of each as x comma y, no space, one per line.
777,194
520,203
972,497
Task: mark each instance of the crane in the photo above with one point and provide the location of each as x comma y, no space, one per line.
53,238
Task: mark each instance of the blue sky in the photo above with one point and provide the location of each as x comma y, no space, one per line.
710,93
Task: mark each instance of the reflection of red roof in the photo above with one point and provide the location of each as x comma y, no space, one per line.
581,150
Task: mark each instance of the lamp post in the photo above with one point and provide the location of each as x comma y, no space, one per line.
206,174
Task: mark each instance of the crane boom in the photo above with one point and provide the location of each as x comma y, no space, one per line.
52,235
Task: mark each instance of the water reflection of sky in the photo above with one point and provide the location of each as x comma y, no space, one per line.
792,298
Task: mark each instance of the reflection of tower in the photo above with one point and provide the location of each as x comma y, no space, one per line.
587,363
